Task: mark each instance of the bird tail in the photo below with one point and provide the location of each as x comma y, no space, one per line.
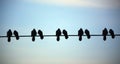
80,38
58,38
17,37
9,39
88,36
42,37
66,36
33,38
104,38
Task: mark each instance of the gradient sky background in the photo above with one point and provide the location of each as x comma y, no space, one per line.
49,15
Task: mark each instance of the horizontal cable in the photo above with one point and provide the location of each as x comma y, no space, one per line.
61,35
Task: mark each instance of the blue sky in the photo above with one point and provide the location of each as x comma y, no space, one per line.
49,15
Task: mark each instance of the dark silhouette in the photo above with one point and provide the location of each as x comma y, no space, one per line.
16,35
9,35
33,34
112,33
80,33
87,34
65,34
105,33
40,34
58,34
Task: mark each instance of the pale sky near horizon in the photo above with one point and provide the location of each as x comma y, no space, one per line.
49,15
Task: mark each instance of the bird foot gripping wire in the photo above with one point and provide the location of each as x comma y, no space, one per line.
59,33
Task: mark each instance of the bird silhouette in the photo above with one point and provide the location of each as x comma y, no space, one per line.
9,35
58,34
40,34
87,34
112,33
16,35
80,33
65,34
33,34
105,33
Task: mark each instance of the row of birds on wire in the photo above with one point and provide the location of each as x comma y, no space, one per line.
59,33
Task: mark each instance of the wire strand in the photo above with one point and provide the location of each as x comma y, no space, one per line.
60,35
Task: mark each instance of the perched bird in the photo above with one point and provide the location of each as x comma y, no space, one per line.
80,33
9,35
33,34
112,33
40,34
65,34
16,35
58,34
87,34
105,33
